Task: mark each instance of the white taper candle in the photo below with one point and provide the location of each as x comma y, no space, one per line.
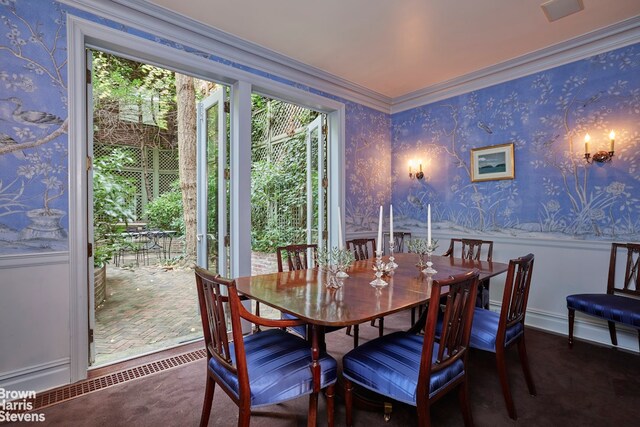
429,225
379,242
340,239
391,223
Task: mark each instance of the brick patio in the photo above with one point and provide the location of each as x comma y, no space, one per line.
148,308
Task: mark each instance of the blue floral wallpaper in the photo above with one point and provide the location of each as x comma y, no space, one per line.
33,126
367,167
546,116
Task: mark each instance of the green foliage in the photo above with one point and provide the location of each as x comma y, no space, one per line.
142,89
278,195
165,212
112,203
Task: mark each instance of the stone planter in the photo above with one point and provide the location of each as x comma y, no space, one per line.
99,285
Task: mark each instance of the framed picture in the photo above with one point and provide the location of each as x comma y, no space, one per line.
492,163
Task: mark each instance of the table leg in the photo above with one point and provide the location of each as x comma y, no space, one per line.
420,323
317,332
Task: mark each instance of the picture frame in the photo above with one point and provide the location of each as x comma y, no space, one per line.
492,163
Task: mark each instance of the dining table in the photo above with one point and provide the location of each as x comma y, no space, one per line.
305,294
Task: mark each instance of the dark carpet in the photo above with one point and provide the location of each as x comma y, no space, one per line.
586,386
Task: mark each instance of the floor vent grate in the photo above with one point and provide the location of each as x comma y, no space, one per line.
64,393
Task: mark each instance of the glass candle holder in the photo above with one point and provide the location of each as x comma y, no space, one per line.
380,268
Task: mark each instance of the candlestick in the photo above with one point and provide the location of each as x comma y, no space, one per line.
340,240
379,242
429,224
391,222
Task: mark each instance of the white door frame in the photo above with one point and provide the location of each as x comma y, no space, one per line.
82,34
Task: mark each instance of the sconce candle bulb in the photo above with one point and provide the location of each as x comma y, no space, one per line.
612,138
417,175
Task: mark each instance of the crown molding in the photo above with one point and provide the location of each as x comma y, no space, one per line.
599,41
161,22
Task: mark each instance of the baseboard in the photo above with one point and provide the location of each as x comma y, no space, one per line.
37,377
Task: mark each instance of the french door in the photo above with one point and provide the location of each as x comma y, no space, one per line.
316,210
213,192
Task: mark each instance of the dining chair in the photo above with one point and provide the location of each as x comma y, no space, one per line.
472,249
362,248
621,302
496,332
400,240
416,369
262,368
297,257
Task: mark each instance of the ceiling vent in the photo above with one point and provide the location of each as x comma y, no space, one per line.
556,9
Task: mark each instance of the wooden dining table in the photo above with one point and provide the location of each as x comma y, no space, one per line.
304,294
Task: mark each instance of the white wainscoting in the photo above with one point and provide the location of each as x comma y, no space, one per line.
562,267
34,321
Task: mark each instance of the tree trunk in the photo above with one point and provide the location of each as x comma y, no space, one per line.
187,141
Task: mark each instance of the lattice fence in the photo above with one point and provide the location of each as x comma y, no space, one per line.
278,129
161,169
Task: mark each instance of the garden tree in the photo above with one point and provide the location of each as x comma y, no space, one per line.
187,141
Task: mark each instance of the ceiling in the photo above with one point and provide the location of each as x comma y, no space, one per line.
398,47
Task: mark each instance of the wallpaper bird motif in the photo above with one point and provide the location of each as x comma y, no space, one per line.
33,126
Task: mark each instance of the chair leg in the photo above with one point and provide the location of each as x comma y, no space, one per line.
501,364
208,401
349,330
465,406
244,416
381,327
348,401
312,417
612,332
572,316
330,394
424,414
356,335
524,361
413,316
373,323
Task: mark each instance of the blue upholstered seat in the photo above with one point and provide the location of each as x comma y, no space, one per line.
615,308
278,364
485,329
300,330
390,366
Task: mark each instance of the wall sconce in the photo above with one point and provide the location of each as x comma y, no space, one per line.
417,175
600,156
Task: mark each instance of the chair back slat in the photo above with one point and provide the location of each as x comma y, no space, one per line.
629,285
360,248
516,293
471,249
454,338
297,257
219,301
